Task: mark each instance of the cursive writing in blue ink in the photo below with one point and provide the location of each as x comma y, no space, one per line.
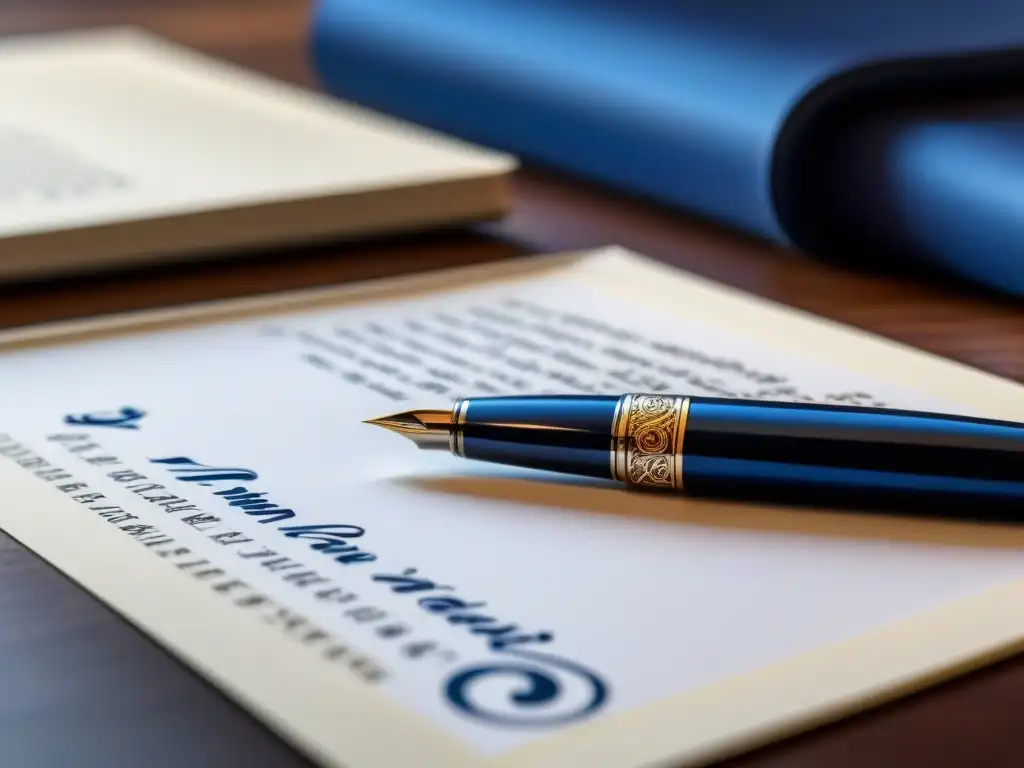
328,539
558,691
499,635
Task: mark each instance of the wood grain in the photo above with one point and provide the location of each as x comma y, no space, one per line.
83,688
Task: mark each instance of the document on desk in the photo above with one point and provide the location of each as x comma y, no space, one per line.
205,471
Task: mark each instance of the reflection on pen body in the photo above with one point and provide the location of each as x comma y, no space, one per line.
736,448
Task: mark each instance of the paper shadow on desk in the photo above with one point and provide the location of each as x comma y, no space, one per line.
597,497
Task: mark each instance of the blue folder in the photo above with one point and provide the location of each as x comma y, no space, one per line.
868,131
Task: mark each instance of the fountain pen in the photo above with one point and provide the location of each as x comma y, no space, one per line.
720,446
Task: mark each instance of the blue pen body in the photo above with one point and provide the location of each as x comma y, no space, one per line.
803,452
861,453
558,434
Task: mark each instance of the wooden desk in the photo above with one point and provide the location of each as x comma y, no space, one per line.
82,688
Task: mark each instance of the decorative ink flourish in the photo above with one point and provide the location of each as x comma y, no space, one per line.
546,677
559,691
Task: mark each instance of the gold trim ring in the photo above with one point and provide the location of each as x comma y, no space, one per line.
455,442
647,440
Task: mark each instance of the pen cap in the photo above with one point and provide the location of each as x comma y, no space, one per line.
569,434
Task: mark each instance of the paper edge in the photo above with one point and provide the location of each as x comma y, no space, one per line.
975,631
486,161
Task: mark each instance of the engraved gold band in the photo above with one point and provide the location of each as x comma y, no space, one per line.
455,441
647,440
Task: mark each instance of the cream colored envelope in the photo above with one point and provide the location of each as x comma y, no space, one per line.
671,631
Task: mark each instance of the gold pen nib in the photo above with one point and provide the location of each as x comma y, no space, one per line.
428,429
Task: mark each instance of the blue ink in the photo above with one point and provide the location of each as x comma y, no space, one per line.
190,471
125,418
406,583
544,677
557,691
548,677
253,504
332,540
328,539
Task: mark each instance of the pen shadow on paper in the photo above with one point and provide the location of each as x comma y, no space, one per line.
834,521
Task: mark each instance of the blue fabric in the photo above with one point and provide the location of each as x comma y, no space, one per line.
722,107
962,187
947,191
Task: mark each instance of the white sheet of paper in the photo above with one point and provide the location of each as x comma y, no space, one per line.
232,454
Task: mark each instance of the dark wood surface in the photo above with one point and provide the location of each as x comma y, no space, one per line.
79,687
